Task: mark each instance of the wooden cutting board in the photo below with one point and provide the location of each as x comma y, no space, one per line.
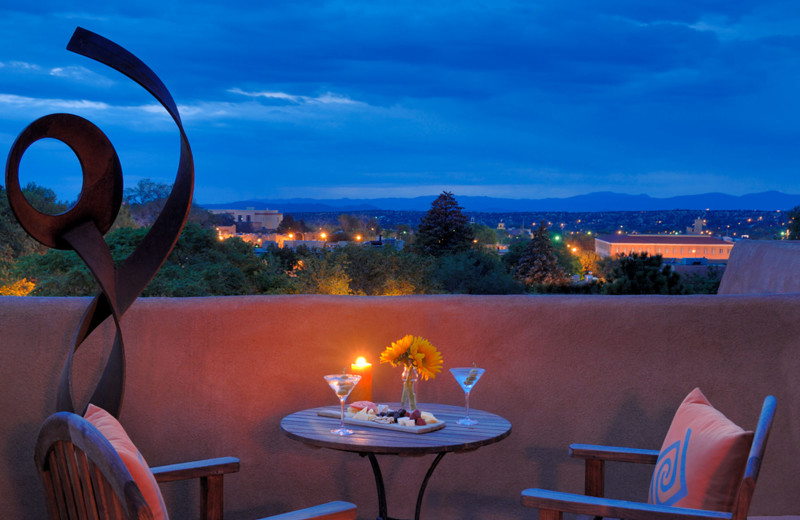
370,424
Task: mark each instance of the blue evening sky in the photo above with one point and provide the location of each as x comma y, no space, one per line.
329,99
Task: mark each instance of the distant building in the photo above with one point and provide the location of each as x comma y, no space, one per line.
259,218
697,227
381,242
670,247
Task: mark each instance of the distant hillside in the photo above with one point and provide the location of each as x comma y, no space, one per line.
598,201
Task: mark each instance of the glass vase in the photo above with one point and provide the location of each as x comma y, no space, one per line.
408,399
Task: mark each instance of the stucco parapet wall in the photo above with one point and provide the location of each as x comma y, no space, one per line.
761,267
213,376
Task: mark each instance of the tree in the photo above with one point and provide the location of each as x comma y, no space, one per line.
324,274
539,263
515,251
146,200
124,218
708,283
640,274
794,224
199,265
589,261
484,235
378,271
14,241
21,287
288,225
567,260
473,272
444,228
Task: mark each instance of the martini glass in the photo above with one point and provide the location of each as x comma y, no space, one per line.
342,384
467,378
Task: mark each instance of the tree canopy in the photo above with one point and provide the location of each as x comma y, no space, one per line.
538,264
445,255
199,265
444,228
794,224
640,274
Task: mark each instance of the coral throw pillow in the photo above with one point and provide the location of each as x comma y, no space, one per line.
113,431
702,459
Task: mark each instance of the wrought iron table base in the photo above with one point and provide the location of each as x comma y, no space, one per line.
376,470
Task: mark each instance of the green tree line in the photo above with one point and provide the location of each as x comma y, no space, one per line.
445,254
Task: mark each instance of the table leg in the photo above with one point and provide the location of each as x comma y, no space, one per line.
376,471
425,483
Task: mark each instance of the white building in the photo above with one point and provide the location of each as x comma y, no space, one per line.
260,218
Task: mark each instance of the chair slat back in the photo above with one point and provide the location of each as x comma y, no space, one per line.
83,476
744,494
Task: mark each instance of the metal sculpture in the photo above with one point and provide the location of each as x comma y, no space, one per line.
82,227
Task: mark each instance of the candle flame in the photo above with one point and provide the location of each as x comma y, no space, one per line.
361,362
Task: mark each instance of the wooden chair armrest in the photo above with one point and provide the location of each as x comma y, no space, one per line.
596,456
613,453
329,511
196,469
552,505
210,472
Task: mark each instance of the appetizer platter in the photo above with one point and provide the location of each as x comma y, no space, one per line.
369,414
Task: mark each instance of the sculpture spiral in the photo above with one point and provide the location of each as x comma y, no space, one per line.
82,227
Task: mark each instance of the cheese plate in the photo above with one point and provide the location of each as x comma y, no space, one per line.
336,414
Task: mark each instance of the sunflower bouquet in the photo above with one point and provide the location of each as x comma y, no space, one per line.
417,356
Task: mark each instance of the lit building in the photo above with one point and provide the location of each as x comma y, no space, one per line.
670,247
260,218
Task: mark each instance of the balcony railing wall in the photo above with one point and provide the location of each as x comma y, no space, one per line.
214,376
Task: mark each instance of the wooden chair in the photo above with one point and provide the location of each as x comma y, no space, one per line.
85,478
552,504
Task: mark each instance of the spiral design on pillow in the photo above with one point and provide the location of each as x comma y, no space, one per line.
668,485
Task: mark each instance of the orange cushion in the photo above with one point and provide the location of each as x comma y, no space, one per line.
110,427
702,459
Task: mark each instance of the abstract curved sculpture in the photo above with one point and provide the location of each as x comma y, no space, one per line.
82,226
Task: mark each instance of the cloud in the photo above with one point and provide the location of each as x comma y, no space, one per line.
20,66
81,75
328,98
14,102
510,93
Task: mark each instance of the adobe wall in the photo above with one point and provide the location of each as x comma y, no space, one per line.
761,267
213,376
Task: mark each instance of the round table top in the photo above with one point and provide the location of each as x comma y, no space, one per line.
308,427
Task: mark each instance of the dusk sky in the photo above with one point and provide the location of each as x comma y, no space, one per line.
367,99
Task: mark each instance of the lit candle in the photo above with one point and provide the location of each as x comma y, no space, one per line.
363,390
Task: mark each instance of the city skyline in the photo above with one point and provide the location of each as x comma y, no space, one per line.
325,99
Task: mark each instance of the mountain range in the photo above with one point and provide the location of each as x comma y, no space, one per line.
591,202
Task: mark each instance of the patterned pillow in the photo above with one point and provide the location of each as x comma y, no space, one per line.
702,459
113,431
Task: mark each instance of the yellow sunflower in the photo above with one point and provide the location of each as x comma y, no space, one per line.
397,352
414,351
427,359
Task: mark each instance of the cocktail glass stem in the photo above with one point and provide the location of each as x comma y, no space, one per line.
341,420
466,400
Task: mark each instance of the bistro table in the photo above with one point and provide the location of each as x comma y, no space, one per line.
310,428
